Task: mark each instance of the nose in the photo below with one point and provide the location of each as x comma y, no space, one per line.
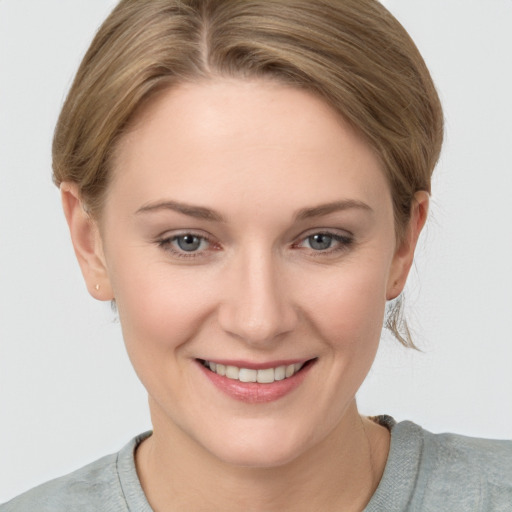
256,306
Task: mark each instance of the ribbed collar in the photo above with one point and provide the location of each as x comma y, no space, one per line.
129,480
396,488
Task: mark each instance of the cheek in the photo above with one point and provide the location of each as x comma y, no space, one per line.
160,307
348,309
161,312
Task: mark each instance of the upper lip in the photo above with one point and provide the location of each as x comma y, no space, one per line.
251,365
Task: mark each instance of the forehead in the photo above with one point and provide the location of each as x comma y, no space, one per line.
258,141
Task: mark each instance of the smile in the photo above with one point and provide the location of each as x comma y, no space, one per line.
260,383
262,376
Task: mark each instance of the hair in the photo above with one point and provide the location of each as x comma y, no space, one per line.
352,53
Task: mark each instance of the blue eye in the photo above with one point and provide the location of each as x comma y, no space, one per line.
188,243
320,242
326,242
185,245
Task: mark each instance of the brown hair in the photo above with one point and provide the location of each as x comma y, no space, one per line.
352,53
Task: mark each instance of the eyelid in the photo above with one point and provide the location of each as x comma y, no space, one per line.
326,231
345,239
165,240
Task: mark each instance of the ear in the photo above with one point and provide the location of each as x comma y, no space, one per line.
87,243
404,255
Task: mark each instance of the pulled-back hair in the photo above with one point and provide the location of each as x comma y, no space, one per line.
352,53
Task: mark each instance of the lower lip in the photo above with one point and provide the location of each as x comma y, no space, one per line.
254,392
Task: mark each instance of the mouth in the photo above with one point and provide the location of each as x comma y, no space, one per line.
267,375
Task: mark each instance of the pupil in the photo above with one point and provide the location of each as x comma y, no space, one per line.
189,243
320,242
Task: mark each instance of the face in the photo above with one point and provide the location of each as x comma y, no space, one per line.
248,230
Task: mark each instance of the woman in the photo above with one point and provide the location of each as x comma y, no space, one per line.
248,181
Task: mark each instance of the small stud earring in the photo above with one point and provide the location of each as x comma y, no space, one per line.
97,287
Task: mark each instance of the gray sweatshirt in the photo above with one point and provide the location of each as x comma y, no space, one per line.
425,472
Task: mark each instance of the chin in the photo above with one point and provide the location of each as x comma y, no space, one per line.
257,457
258,447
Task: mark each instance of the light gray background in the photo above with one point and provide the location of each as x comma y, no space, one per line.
67,392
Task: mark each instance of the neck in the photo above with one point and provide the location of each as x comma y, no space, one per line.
341,473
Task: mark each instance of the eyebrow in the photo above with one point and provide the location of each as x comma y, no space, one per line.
200,212
336,206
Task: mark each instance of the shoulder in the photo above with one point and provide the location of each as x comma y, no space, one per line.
110,484
461,472
428,472
477,456
86,489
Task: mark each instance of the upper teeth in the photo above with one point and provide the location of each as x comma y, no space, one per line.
266,376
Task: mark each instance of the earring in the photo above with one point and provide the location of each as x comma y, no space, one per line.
97,287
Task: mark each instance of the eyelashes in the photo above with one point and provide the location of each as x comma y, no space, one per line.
192,245
187,245
327,242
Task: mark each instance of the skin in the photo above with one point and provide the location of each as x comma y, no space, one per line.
257,289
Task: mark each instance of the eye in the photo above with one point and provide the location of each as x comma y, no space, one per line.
188,243
185,245
320,242
326,242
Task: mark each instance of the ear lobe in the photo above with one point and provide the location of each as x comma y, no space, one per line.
86,242
404,255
